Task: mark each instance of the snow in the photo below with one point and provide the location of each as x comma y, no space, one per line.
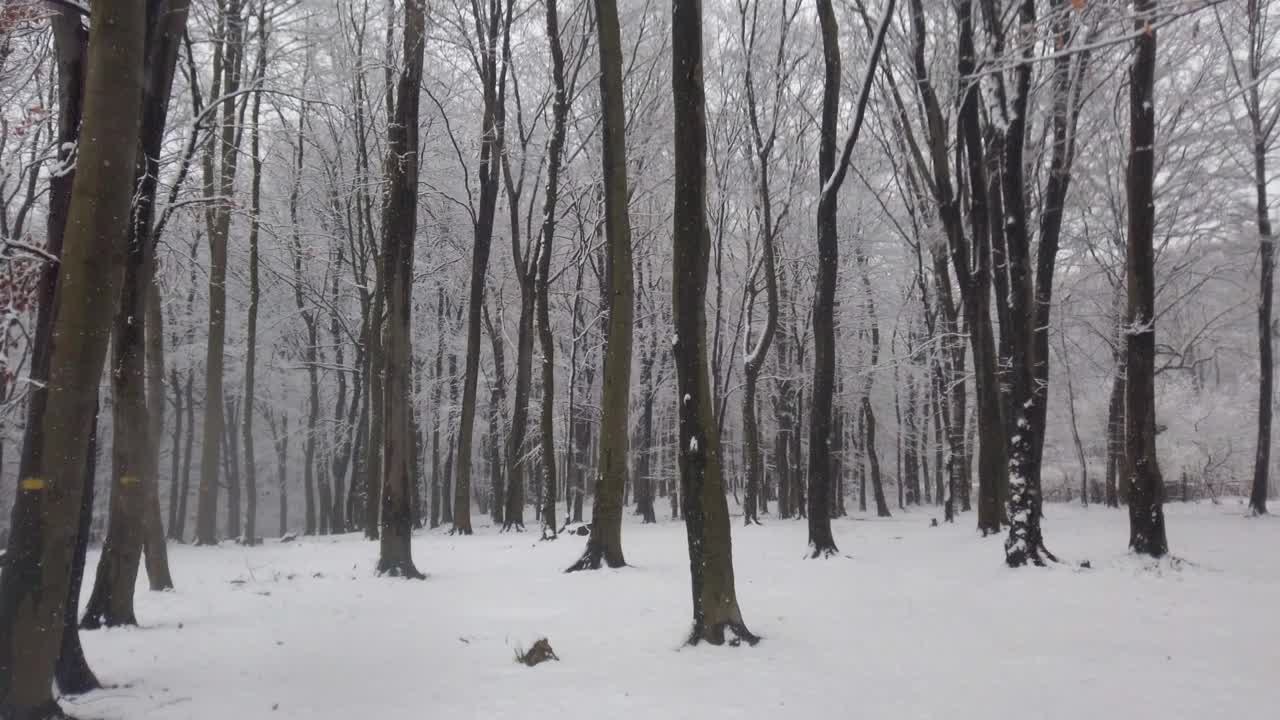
910,622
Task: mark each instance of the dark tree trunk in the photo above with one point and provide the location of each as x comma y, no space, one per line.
72,672
1142,471
399,226
154,543
135,458
821,541
831,172
493,80
604,546
715,602
546,341
446,497
976,289
497,398
437,395
227,62
1025,543
231,459
175,480
133,455
188,453
35,579
1267,253
644,482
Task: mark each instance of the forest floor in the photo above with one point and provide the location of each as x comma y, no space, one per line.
911,621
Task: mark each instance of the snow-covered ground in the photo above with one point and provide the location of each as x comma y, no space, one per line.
911,622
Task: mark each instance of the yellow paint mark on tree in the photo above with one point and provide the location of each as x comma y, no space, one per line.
32,484
128,480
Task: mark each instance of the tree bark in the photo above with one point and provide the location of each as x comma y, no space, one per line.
155,549
493,80
831,172
255,292
546,341
821,542
604,546
36,575
399,228
1267,255
1142,470
228,54
72,671
976,290
715,602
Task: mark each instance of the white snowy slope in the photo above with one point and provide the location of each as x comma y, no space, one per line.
912,622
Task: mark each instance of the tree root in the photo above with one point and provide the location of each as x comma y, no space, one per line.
715,635
822,551
400,569
593,558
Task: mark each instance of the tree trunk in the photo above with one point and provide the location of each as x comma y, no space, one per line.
498,398
72,671
188,454
494,86
1142,471
35,579
605,544
446,498
1115,430
228,52
175,481
832,173
437,396
281,442
821,541
715,602
231,459
399,227
976,289
1267,255
546,341
154,548
373,458
111,601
